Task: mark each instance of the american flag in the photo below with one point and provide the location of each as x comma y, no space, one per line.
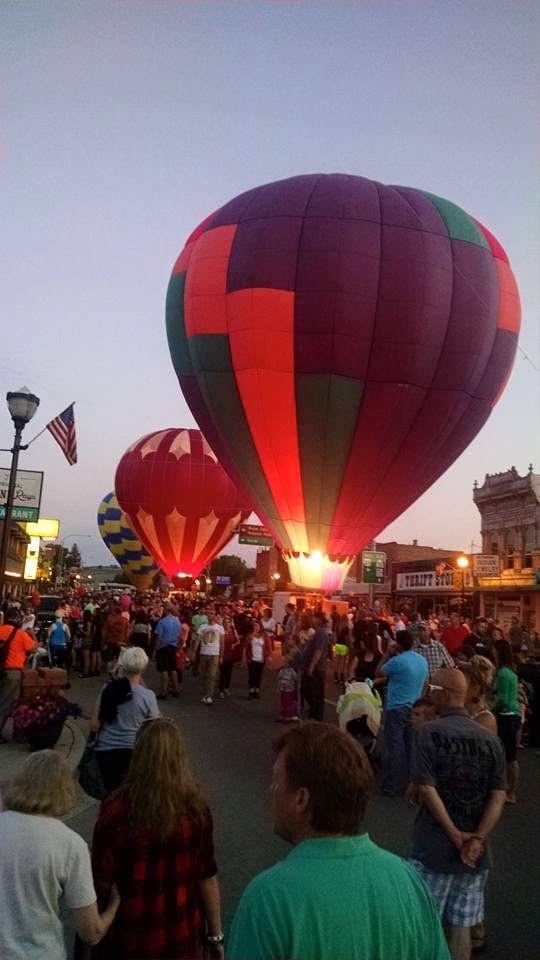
63,431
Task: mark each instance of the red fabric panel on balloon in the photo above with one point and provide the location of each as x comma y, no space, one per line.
261,330
496,248
509,315
206,284
183,260
204,225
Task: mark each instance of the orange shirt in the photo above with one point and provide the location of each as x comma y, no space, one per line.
19,647
117,629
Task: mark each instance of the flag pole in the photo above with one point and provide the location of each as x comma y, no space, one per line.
46,425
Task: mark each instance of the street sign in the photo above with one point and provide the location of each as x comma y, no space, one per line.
486,565
27,496
255,535
373,566
223,581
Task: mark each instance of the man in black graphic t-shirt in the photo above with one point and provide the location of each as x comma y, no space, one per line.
460,771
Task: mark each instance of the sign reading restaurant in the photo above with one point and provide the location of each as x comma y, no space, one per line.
431,580
27,495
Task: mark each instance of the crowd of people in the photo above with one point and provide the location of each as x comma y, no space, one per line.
456,704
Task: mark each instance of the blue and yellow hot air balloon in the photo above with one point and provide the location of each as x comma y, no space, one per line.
119,538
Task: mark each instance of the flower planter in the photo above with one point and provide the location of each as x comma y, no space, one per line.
44,737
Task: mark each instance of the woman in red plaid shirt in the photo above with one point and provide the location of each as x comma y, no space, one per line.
154,840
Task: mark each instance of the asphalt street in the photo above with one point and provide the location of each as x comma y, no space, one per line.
231,749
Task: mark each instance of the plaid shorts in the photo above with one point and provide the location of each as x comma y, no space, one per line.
459,897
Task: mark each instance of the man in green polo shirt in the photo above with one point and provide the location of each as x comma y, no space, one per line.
337,895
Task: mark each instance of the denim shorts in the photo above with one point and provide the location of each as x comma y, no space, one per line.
459,897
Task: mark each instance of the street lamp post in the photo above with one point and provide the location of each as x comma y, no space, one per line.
22,406
60,564
462,563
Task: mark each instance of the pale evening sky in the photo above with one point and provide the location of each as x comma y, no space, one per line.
124,123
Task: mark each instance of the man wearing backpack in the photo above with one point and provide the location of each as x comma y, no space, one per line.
59,637
15,645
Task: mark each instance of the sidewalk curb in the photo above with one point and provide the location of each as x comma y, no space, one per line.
70,746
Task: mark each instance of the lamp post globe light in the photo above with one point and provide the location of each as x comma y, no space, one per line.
60,563
463,563
22,405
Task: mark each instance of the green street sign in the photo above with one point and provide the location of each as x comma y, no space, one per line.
30,514
255,535
373,566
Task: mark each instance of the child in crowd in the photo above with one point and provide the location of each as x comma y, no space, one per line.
180,663
288,687
40,656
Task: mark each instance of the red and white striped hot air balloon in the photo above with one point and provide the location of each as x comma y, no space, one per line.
178,499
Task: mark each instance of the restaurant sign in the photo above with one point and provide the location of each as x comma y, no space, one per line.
27,494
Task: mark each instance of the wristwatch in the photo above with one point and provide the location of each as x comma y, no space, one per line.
216,939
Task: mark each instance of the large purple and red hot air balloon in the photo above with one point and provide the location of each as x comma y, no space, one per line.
340,343
178,499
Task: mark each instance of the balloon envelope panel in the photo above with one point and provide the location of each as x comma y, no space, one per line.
340,343
178,499
119,538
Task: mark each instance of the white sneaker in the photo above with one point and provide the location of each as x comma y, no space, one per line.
209,701
204,700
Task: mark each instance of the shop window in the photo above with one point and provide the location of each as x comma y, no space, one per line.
510,559
528,546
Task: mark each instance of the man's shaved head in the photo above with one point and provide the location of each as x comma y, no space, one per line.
454,684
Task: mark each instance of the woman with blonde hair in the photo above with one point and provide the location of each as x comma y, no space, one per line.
44,863
154,840
479,672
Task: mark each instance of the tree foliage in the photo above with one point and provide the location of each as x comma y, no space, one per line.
122,578
72,558
228,565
